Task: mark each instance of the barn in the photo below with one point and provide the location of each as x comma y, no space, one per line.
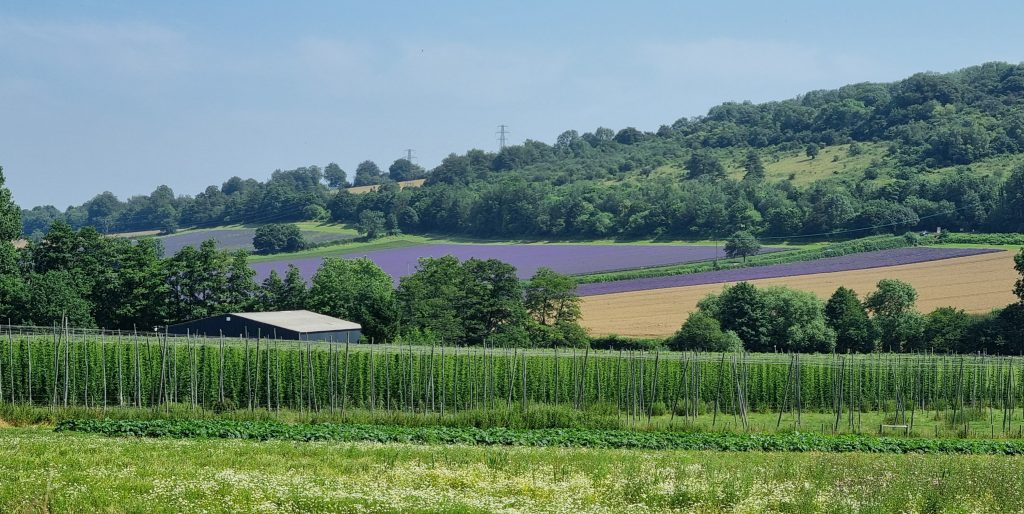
289,325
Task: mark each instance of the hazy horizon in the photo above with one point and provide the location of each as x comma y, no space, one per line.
123,97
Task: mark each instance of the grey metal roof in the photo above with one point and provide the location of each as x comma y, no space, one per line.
304,322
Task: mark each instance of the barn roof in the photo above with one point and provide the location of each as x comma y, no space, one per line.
304,322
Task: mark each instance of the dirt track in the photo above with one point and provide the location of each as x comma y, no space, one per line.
978,283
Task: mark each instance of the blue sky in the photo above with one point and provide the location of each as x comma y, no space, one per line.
124,96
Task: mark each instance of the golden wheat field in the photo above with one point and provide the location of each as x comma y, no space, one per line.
358,190
977,283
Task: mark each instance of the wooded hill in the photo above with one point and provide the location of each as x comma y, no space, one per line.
931,150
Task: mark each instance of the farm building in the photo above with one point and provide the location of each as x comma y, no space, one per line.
289,325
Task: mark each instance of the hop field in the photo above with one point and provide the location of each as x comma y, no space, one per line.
961,395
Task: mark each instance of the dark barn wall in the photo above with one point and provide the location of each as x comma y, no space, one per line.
238,326
339,336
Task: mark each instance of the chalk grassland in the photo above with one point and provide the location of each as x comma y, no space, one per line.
59,472
975,284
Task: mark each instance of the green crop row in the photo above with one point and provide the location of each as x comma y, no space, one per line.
781,442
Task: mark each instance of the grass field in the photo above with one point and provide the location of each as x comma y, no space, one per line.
62,472
976,284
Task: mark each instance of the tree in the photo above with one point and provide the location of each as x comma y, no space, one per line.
404,169
356,290
854,330
891,298
702,332
741,309
812,150
703,164
551,298
945,328
1018,288
371,224
493,300
294,295
1013,200
52,295
431,298
10,214
753,167
367,174
197,280
742,244
271,291
892,305
335,176
277,238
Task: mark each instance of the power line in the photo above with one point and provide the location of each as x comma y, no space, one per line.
502,133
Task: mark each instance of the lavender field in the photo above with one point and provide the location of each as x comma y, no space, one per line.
568,259
231,239
857,261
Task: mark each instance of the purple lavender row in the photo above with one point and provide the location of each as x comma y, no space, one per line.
567,259
876,259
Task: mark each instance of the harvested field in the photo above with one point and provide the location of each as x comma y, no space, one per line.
404,184
977,283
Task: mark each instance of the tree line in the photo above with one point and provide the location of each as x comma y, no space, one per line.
612,184
92,280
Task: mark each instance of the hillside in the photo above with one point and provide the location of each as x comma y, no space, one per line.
930,150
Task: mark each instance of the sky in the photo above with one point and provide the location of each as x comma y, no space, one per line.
125,96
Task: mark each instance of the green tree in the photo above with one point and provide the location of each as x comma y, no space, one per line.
703,164
295,293
742,244
493,302
371,224
552,302
551,298
196,282
945,329
1018,264
271,291
10,214
753,167
52,295
277,238
356,290
702,332
812,150
899,325
404,169
891,297
335,176
741,309
367,174
431,298
854,330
